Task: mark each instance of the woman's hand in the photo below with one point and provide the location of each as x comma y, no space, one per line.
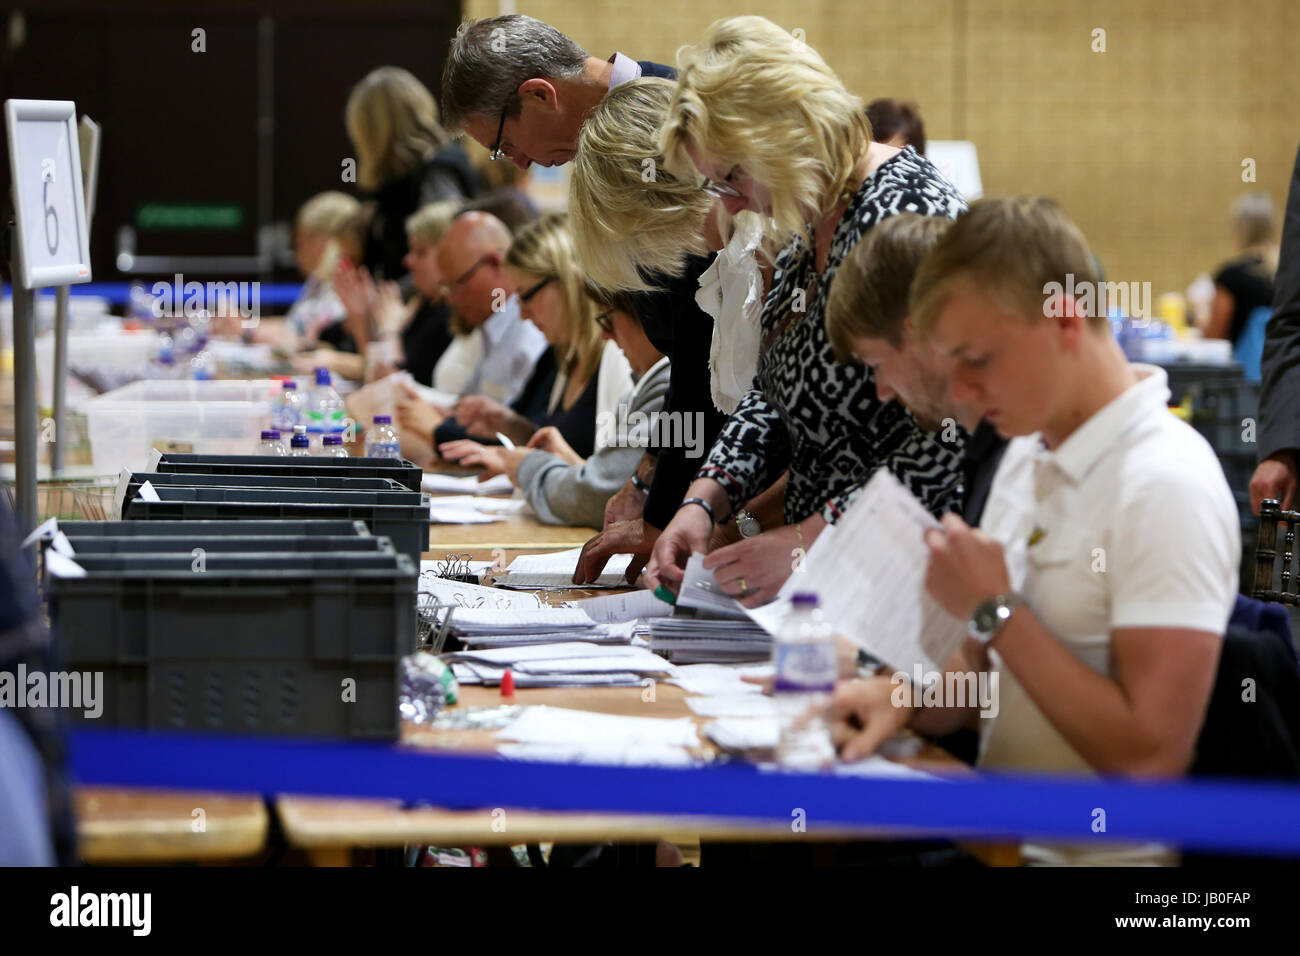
685,535
549,439
753,570
864,714
471,453
417,416
478,413
391,313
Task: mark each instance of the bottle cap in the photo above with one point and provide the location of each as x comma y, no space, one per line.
299,441
383,419
290,384
300,429
322,376
803,599
333,439
271,434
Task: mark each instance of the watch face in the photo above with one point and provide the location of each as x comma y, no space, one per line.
748,526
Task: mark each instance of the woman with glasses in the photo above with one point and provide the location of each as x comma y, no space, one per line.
769,128
566,488
589,373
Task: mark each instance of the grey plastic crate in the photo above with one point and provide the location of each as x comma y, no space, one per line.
229,543
326,482
399,469
401,515
258,644
282,528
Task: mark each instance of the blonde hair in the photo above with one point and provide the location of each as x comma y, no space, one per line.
1010,249
331,214
868,299
392,120
630,215
430,222
749,93
545,249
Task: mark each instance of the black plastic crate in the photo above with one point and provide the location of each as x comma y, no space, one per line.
1190,376
279,528
399,469
1227,414
260,644
227,543
401,515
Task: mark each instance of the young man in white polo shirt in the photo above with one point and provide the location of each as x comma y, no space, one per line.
1107,654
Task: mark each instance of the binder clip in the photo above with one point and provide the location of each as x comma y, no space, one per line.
456,568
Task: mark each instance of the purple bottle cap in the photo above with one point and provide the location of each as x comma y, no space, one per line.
803,599
383,419
322,376
332,440
271,434
290,384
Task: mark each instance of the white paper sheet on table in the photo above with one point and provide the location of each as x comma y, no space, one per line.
559,725
520,620
440,513
627,606
733,705
436,481
639,756
634,660
508,656
716,679
485,504
555,570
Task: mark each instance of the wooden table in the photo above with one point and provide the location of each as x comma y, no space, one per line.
118,825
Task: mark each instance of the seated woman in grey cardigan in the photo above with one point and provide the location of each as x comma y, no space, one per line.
561,486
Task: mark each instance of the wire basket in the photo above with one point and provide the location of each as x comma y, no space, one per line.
71,499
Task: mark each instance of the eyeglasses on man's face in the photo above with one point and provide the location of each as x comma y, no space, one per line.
451,288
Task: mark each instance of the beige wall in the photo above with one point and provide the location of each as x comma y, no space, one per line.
1142,144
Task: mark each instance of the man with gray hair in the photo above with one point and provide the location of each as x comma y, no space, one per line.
522,89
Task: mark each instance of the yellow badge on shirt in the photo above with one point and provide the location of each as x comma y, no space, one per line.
1037,535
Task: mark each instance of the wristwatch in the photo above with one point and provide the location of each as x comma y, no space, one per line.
747,524
988,618
640,485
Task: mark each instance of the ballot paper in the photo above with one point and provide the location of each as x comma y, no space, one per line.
513,656
719,679
734,705
610,755
559,726
700,592
554,571
440,513
627,606
744,733
465,595
489,676
437,482
147,493
485,504
870,580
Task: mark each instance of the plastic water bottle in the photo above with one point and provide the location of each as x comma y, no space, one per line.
299,445
382,440
271,444
324,406
806,669
332,446
315,439
286,410
201,360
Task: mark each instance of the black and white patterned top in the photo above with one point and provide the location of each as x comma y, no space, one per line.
818,417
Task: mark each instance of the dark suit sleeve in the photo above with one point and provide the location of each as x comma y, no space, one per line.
1279,399
680,329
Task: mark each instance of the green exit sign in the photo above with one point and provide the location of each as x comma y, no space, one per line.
189,215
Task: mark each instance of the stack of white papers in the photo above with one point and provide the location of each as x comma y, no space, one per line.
719,679
554,570
708,625
461,594
440,513
559,664
627,606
